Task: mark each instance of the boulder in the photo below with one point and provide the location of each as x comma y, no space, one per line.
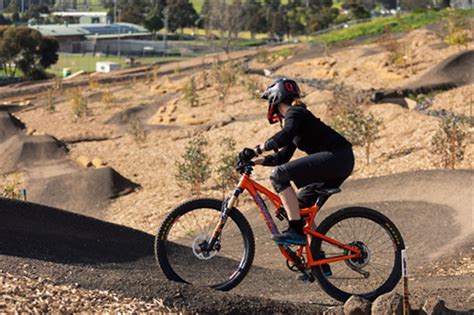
388,304
356,305
436,306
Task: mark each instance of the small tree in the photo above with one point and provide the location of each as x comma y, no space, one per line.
448,141
190,94
358,128
80,104
226,165
193,169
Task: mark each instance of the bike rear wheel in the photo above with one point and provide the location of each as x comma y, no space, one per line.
377,271
187,230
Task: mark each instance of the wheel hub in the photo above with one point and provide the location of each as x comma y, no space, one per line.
363,259
200,245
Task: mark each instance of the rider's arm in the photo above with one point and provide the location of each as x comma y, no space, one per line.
285,136
280,157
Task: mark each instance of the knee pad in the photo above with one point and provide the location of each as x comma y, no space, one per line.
280,179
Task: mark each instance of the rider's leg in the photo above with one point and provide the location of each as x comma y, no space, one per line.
290,203
281,182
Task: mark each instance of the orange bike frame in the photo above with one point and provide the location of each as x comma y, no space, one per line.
309,214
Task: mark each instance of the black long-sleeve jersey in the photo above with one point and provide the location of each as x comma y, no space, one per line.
304,131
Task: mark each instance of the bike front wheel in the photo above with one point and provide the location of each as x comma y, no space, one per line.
376,271
181,242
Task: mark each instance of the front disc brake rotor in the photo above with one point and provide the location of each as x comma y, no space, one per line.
199,248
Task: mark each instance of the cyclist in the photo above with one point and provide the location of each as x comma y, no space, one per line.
330,158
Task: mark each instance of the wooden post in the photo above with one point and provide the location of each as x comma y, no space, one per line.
406,303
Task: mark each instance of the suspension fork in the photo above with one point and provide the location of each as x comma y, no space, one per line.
227,206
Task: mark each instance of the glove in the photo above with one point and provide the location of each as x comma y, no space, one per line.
247,154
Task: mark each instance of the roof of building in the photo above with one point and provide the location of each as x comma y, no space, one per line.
91,30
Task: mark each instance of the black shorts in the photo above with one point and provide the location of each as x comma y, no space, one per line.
321,169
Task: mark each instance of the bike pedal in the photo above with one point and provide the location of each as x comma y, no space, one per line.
305,278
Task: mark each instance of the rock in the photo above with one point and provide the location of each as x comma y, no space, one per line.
411,103
356,305
98,163
267,72
336,310
388,304
162,110
436,306
84,161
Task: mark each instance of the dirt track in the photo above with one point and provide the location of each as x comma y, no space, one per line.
74,249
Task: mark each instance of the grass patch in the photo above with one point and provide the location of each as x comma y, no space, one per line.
88,62
377,26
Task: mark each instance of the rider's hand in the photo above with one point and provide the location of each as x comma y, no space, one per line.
247,154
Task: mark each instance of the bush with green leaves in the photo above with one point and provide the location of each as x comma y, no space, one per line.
193,169
358,128
226,164
457,28
190,93
448,141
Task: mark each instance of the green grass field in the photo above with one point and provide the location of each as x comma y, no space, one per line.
88,63
377,26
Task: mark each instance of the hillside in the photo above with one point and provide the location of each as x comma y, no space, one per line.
139,128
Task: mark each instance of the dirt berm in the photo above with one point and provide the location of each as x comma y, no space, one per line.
452,72
431,208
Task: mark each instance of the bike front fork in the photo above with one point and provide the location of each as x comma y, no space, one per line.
227,205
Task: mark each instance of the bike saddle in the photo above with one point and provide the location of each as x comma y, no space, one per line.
327,191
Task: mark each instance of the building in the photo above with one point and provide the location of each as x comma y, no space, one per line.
73,37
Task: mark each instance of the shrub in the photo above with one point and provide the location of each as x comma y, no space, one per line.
252,85
80,106
107,98
226,77
448,141
457,28
11,186
137,129
349,119
93,83
358,128
193,169
190,94
225,168
50,106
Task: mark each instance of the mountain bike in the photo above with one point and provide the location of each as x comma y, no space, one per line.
209,242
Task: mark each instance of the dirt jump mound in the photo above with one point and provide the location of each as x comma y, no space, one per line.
22,151
51,177
81,190
9,125
55,235
452,72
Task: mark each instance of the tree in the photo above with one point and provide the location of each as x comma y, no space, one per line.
154,20
25,49
132,13
227,18
253,18
181,14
